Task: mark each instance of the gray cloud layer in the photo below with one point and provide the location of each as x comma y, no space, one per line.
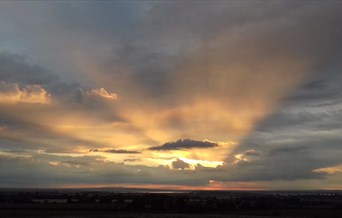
305,133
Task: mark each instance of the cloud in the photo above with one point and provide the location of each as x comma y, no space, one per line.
285,154
16,69
101,92
131,160
180,164
185,71
11,93
115,151
47,170
70,163
185,144
306,129
246,157
330,170
200,167
251,153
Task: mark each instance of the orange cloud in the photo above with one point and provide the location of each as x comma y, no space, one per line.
11,93
330,170
101,92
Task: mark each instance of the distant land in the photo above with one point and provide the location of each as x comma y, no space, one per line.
128,202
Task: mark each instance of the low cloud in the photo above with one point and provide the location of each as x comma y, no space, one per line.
131,159
70,163
179,164
11,93
246,157
200,167
185,144
115,151
101,92
330,170
252,153
16,69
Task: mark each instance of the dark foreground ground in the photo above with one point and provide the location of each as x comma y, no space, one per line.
108,203
111,214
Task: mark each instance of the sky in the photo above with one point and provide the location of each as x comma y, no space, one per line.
231,95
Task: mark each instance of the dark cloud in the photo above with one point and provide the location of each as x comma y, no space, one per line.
293,150
280,29
180,164
251,153
289,150
199,167
16,69
115,151
304,134
184,144
132,160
